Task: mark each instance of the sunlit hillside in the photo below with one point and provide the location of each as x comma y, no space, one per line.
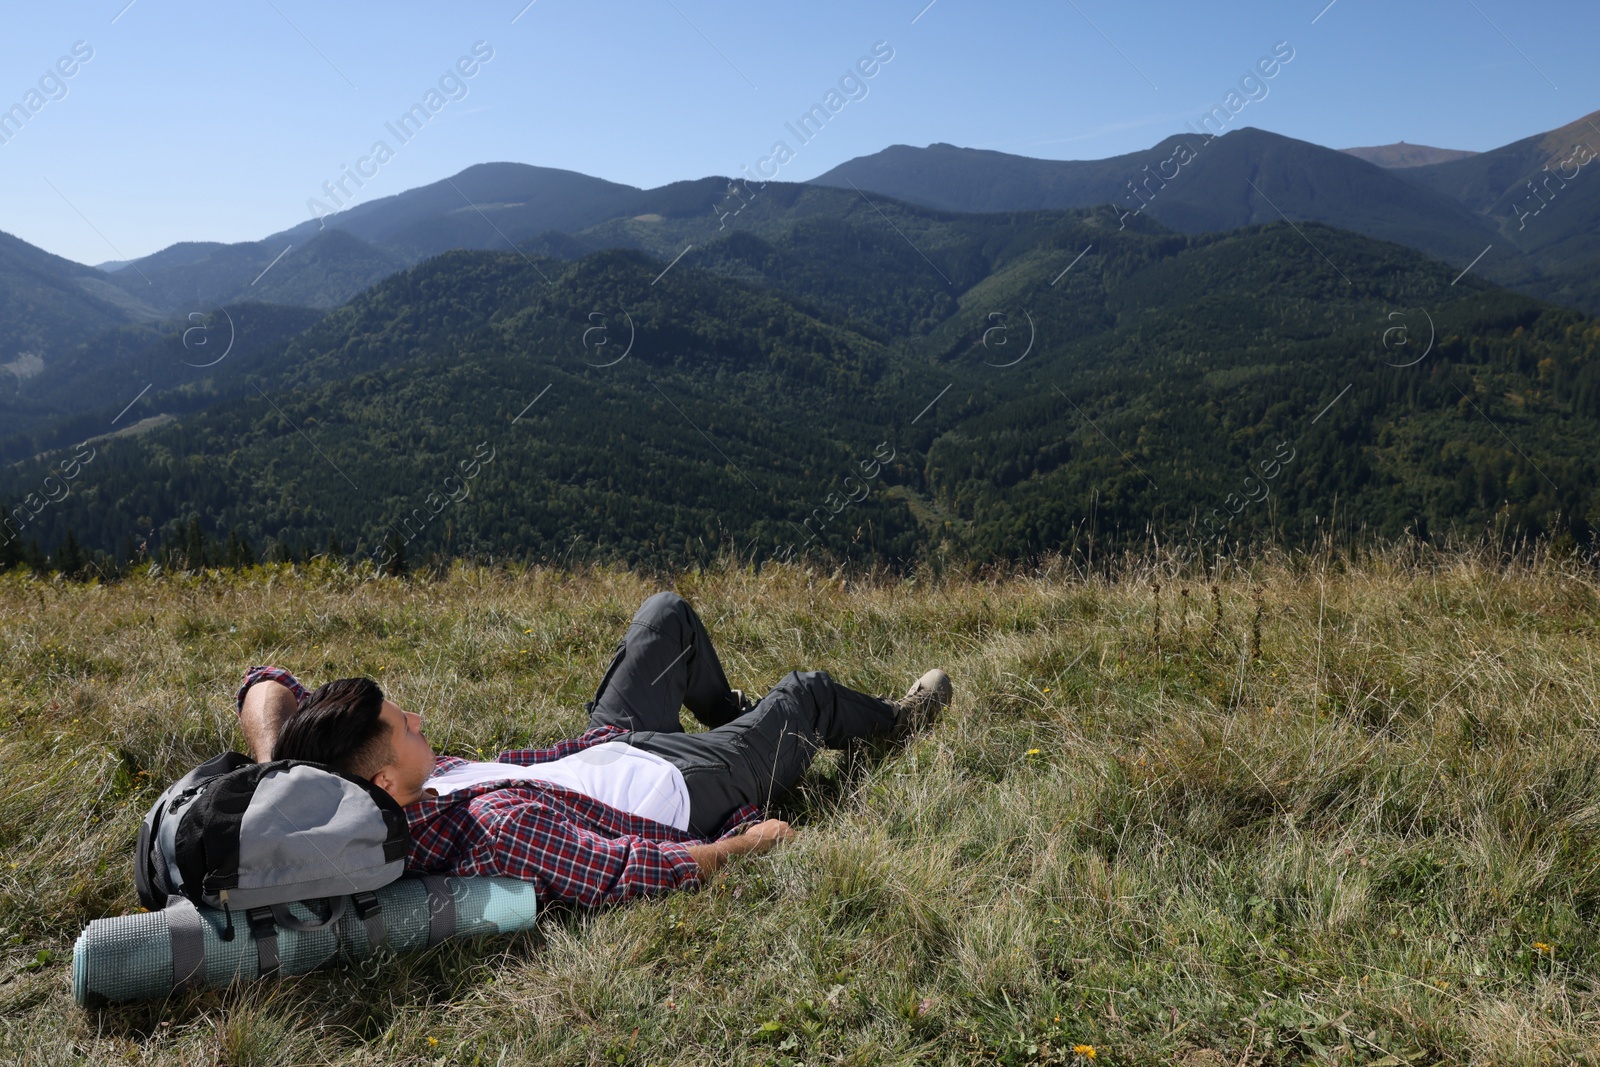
1317,810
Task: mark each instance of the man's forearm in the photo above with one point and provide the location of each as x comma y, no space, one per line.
711,857
266,706
758,838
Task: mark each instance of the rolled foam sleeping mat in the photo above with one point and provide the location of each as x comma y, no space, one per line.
152,954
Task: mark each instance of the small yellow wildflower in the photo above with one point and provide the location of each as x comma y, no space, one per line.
1086,1051
1033,752
1540,946
434,1042
1047,689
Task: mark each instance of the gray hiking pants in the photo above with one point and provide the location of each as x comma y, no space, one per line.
665,662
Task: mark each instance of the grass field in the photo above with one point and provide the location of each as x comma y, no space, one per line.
1323,812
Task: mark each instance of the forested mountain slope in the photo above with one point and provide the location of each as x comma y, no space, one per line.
1087,381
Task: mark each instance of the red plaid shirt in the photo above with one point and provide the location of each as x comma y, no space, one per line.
572,846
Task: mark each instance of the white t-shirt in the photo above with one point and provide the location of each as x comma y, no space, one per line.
611,772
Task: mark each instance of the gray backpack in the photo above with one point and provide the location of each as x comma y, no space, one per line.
233,833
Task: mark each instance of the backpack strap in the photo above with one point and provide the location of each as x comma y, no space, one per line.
441,908
264,930
187,935
289,921
369,909
143,862
266,919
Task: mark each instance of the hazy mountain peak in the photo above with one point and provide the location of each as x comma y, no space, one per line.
1401,154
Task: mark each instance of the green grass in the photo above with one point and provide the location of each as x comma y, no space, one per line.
1354,818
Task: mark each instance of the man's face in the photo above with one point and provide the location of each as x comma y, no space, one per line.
412,760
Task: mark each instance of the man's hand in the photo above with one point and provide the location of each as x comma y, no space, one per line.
769,833
759,838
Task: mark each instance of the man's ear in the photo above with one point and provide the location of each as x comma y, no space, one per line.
385,779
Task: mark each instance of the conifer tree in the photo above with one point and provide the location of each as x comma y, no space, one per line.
393,562
10,546
239,553
33,557
195,545
70,559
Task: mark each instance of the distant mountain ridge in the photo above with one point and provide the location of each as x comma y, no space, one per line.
1400,155
1245,177
48,307
1526,215
1489,181
1541,195
323,262
1196,183
1456,209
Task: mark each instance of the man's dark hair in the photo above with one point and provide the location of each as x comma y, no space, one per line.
339,726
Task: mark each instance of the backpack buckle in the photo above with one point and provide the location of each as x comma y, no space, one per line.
369,909
366,904
265,931
261,922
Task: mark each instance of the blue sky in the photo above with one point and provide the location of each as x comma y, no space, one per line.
208,121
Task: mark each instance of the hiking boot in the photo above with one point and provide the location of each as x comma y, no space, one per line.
922,703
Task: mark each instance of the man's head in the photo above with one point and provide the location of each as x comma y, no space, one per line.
349,726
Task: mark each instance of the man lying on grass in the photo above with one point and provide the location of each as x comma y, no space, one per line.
634,806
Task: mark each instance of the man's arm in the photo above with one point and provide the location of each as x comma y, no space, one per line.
759,838
268,696
527,840
266,707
